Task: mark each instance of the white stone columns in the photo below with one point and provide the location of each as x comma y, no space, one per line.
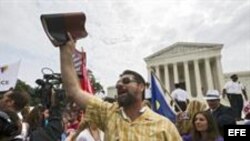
157,71
176,75
149,69
167,82
219,73
187,77
210,85
197,78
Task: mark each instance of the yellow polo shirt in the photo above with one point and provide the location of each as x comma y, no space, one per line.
149,126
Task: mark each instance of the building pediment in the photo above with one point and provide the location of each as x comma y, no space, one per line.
183,48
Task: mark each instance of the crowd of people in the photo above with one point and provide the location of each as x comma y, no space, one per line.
127,118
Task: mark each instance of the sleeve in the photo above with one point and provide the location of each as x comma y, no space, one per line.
97,112
187,137
172,133
173,95
220,138
226,117
242,86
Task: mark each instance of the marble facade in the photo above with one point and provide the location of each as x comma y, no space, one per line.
197,66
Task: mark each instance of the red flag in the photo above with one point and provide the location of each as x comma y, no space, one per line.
79,60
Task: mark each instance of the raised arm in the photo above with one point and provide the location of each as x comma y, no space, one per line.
69,76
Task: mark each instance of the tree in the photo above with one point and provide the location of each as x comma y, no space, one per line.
96,85
22,86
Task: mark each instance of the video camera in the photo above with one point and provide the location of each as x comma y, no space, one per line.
50,82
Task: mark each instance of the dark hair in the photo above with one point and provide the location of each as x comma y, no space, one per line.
20,98
233,76
35,118
25,112
177,85
212,130
136,75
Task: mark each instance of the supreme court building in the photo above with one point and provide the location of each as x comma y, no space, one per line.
196,66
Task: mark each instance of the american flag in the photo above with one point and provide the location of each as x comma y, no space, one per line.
79,60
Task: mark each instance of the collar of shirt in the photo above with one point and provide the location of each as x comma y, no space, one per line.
124,115
212,110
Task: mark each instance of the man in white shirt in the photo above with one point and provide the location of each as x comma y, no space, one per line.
234,90
180,97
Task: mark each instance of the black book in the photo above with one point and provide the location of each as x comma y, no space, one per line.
57,25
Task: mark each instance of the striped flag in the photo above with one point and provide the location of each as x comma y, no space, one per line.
79,60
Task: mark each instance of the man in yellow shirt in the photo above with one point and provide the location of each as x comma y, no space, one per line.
125,120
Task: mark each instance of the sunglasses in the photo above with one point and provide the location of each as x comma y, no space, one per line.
126,80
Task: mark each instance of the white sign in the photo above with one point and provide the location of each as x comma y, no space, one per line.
8,75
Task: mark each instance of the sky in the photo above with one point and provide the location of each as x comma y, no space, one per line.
121,33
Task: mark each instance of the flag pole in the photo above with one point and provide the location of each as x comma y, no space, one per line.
165,90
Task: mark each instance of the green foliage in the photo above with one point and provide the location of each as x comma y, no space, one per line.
22,86
96,85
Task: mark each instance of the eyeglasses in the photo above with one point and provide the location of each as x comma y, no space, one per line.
126,80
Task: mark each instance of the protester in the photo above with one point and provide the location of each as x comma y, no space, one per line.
90,133
234,90
44,126
14,100
25,126
204,128
125,120
66,123
180,96
223,114
246,111
184,119
10,125
36,117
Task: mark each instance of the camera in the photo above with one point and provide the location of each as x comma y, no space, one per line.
50,83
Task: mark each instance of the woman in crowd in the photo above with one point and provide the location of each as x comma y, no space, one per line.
46,123
204,128
36,117
184,119
90,133
86,131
